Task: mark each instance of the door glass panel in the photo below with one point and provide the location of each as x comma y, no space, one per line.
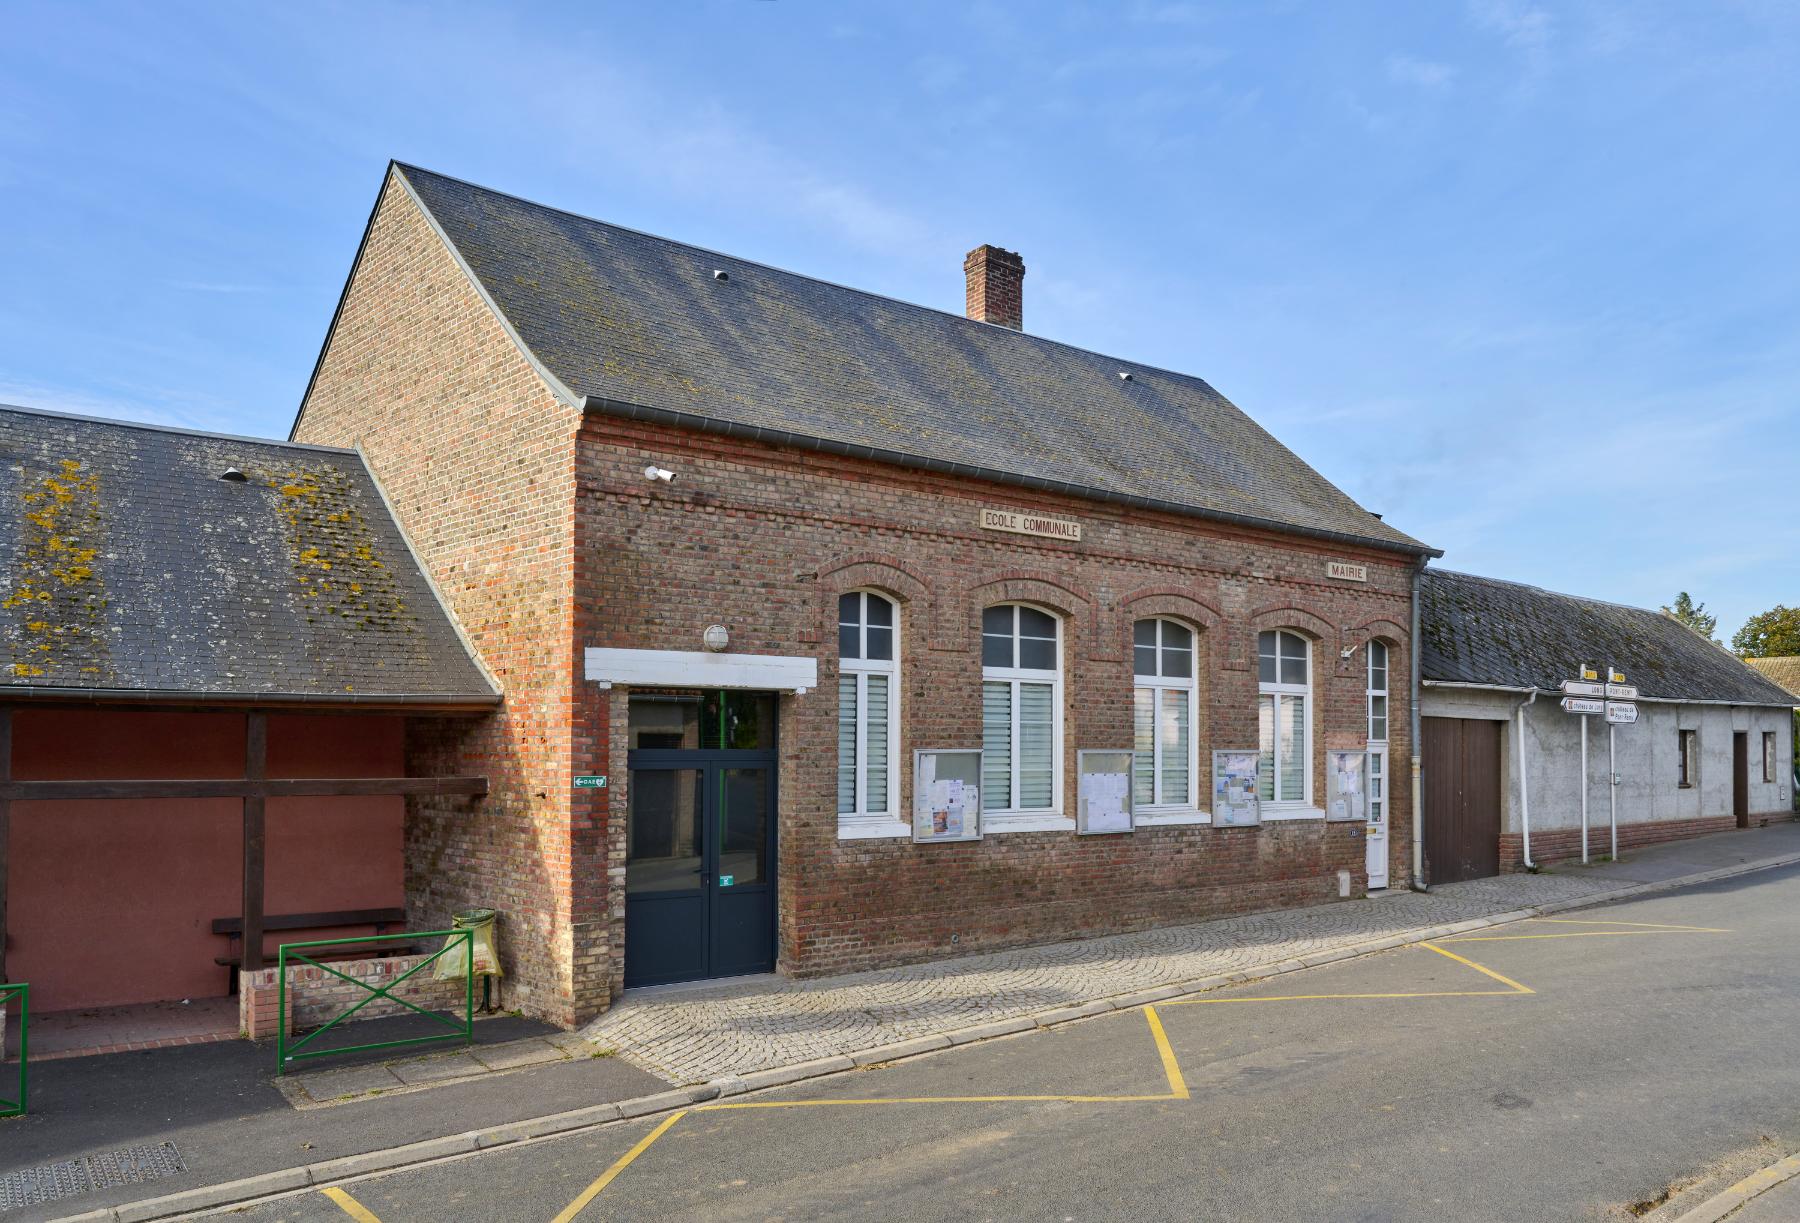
737,721
743,825
658,720
662,852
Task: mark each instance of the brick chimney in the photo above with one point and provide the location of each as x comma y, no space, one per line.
996,283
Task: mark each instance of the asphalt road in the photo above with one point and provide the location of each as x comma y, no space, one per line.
1641,1056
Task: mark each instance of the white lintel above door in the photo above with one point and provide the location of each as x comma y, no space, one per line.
700,669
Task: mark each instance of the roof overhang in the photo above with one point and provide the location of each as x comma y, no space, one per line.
1638,700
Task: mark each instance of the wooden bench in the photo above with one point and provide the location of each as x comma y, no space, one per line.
380,919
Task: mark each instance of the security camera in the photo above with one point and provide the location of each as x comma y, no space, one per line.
653,472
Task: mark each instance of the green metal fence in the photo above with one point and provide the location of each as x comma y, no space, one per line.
288,1050
14,1106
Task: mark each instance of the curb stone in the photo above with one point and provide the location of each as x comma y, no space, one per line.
1749,1189
271,1184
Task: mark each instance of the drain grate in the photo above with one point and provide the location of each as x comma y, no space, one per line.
108,1170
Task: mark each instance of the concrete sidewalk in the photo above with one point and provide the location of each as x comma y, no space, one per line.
693,1035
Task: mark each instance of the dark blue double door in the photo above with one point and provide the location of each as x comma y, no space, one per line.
699,865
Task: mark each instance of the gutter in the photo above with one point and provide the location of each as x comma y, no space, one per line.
1418,788
1639,700
1524,785
175,696
600,404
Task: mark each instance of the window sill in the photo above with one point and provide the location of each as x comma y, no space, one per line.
1025,821
869,829
1289,811
1168,817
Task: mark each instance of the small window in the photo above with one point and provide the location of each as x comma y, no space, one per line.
1768,755
1378,692
1688,764
868,784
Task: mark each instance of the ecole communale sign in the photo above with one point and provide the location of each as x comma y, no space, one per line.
1029,524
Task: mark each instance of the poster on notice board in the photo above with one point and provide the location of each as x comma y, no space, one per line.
1235,800
946,795
1345,792
1103,798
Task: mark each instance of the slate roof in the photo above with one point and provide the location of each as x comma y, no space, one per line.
624,318
1476,630
1783,671
131,568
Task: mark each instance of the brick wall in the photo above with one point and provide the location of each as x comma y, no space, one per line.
315,997
1564,844
476,454
764,539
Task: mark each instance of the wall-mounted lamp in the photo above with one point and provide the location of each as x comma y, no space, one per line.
653,472
715,638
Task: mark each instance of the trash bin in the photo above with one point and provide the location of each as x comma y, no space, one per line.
487,961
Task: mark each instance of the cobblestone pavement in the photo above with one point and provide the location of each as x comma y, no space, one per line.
694,1035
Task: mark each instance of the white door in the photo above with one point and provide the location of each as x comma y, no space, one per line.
1378,817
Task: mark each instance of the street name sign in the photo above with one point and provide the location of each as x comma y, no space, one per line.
1582,704
1621,713
1576,687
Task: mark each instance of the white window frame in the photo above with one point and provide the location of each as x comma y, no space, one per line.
1378,773
854,825
1012,818
1290,808
1154,812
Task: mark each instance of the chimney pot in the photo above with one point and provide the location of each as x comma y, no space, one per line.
995,286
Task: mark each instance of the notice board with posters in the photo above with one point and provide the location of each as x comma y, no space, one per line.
1236,800
1346,785
946,794
1103,798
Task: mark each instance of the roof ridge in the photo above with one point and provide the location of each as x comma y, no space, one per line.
181,429
1032,336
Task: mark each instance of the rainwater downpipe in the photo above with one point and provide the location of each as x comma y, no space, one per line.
1418,794
1524,786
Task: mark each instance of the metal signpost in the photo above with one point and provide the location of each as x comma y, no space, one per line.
1613,700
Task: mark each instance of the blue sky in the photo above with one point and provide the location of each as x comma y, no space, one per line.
1521,277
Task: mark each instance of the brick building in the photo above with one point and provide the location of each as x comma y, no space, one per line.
743,543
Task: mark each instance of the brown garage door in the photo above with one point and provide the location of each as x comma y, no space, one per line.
1462,798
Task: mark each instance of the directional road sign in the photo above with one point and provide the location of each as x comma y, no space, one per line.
1621,713
1582,704
1576,687
1621,692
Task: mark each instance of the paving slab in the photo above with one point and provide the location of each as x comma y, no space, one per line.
437,1069
520,1053
325,1085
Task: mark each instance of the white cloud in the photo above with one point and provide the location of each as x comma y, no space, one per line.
1426,74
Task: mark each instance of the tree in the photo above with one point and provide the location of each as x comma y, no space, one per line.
1694,616
1774,634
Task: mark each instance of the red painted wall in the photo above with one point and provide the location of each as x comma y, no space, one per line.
112,901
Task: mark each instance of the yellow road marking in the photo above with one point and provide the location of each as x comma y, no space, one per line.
1513,938
1486,972
623,1162
1648,925
350,1206
742,1104
1454,993
1177,1085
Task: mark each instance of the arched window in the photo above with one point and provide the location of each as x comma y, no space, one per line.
1021,710
1284,717
868,714
1163,702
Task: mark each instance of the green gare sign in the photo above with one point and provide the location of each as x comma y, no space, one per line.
591,782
